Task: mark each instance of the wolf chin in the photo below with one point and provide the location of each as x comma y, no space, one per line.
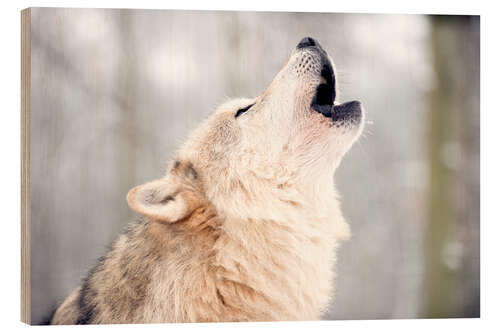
245,223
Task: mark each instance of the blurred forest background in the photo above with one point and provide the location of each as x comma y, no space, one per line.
114,92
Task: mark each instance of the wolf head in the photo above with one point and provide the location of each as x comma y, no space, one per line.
282,145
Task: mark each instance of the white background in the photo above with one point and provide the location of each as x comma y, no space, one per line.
10,164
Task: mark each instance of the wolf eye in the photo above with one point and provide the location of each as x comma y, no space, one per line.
241,111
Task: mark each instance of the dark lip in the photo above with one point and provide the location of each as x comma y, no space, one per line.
324,97
348,112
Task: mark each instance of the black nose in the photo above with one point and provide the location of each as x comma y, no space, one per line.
306,42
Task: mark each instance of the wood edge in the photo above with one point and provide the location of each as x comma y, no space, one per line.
25,164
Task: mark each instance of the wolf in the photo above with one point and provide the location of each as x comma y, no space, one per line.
245,224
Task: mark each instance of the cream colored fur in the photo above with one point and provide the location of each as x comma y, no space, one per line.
244,225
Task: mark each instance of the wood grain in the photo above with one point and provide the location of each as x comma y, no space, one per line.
25,165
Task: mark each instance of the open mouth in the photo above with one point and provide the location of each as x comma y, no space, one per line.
323,101
325,92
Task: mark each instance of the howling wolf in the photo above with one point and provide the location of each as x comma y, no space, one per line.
245,223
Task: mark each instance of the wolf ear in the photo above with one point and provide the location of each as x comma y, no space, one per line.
164,200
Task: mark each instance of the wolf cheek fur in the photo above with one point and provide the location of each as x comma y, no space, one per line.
245,223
